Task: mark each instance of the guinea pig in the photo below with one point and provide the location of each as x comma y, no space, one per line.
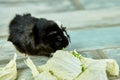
37,36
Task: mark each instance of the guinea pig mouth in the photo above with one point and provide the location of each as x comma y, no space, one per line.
58,45
61,42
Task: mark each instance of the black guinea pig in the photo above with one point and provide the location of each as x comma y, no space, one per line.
37,36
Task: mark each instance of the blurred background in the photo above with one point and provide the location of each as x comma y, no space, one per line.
91,24
81,17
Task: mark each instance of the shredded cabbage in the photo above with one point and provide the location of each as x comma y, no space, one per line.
65,65
45,75
95,71
9,72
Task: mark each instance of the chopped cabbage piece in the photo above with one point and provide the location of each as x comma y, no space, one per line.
33,68
46,76
65,65
9,72
95,71
112,67
39,75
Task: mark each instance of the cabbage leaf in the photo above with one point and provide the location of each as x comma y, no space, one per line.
9,72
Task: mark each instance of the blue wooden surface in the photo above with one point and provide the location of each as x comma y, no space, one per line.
95,38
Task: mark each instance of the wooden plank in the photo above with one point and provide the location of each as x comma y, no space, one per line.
77,4
102,54
99,54
95,54
86,18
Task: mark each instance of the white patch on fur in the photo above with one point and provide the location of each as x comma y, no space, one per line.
58,23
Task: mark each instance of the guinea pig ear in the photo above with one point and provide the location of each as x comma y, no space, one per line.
35,34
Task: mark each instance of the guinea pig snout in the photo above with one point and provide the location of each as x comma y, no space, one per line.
61,42
59,38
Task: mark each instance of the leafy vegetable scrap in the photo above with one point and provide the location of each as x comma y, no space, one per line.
65,65
9,72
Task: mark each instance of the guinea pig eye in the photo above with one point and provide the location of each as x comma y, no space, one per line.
53,32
